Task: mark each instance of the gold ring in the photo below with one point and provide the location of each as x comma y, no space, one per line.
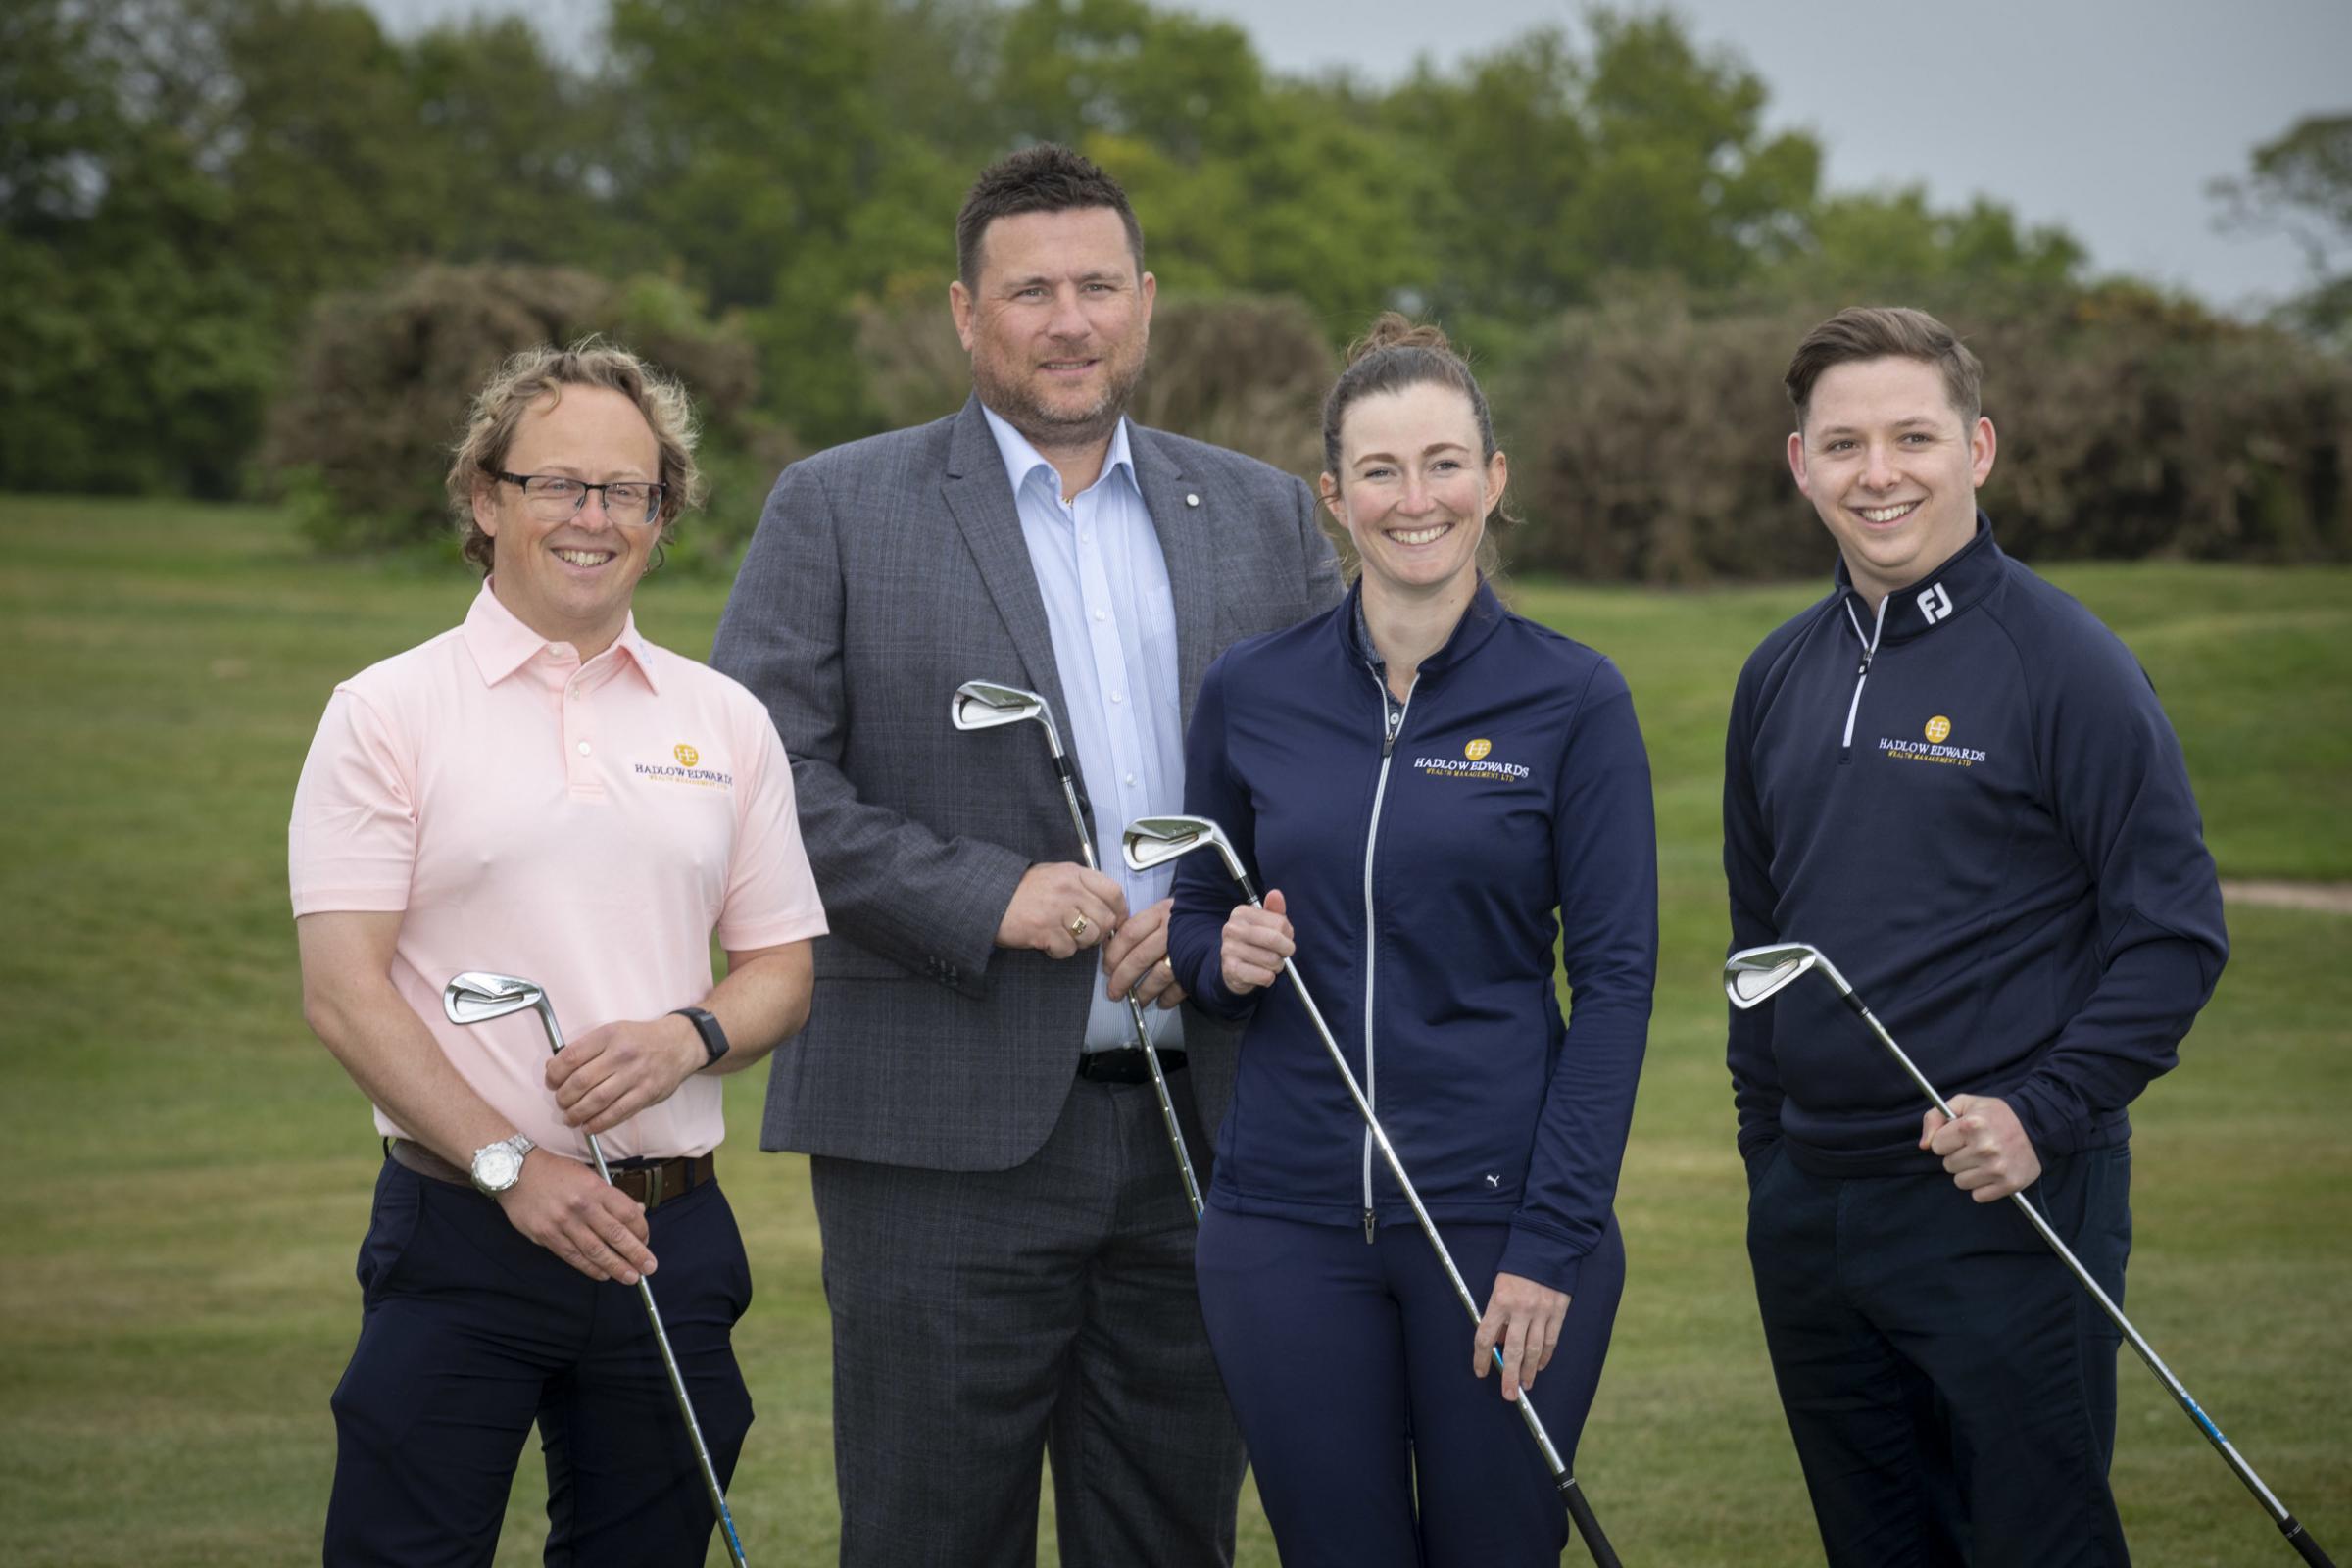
1079,926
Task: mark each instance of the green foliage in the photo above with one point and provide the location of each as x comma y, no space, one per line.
383,379
2301,184
1650,433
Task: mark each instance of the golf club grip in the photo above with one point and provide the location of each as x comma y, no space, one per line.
2300,1538
1580,1512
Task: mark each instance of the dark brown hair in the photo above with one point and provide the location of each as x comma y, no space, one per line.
1398,353
526,378
1043,178
1887,331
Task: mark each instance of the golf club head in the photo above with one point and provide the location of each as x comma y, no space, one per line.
1757,974
478,996
986,705
1152,841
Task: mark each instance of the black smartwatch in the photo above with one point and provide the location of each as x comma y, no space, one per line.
715,1039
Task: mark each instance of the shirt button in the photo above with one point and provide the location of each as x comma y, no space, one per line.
1102,614
1131,781
583,748
1116,698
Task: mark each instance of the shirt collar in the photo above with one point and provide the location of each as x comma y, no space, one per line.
1941,594
501,644
1478,621
1021,459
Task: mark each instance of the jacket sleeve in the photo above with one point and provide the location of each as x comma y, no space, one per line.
1747,870
890,884
1606,852
2116,781
1203,893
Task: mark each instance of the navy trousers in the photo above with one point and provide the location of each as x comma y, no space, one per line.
1950,1385
470,1332
1348,1365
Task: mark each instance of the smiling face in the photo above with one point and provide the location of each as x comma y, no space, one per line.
1413,491
1056,322
570,578
1892,467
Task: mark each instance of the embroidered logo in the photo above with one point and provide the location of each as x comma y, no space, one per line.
1475,763
1933,749
1935,604
686,769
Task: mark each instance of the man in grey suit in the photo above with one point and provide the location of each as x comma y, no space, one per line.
1007,1242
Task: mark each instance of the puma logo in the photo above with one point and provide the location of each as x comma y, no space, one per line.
1493,1181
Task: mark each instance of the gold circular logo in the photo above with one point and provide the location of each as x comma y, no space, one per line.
1939,729
1477,750
686,754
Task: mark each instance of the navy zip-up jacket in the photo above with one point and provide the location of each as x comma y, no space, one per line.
1421,873
1978,810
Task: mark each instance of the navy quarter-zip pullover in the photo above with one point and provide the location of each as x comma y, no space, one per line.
1422,848
1971,800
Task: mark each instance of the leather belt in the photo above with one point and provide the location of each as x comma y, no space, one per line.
1125,1067
652,1182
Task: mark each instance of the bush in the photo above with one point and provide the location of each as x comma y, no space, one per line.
361,438
1647,438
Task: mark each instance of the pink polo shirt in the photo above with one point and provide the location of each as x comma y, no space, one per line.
585,827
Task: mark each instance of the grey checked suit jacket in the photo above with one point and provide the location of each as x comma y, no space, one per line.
884,574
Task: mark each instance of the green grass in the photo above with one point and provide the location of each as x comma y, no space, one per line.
189,1171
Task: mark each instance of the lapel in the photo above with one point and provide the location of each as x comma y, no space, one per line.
1178,513
981,499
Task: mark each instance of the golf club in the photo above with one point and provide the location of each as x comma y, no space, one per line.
1157,840
476,996
984,704
1755,975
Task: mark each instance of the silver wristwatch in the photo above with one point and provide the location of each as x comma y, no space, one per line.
499,1166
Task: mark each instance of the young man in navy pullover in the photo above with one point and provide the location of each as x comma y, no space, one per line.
1952,779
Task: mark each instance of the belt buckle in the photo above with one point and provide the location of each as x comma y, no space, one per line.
652,1186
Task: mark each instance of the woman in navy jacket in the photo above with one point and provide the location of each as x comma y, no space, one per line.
1421,779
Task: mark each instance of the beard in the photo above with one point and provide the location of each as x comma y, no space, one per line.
1051,425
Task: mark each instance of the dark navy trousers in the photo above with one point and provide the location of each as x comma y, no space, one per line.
1949,1384
470,1332
1348,1365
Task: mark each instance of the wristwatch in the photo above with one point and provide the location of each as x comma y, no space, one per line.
499,1166
715,1039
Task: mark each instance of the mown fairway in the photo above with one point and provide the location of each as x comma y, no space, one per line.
187,1170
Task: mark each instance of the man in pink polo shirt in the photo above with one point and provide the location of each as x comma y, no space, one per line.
541,792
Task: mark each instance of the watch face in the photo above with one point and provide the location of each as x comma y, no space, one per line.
497,1167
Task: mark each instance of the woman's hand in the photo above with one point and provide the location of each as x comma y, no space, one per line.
1525,1319
1256,940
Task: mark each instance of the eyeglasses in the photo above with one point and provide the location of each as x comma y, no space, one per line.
552,497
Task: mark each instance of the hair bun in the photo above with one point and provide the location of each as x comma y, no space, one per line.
1394,329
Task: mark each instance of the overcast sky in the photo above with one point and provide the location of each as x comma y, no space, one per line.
2109,117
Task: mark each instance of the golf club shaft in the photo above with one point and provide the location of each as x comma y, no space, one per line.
1135,1008
2287,1525
1572,1495
670,1360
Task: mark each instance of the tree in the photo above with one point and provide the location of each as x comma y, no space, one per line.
2301,185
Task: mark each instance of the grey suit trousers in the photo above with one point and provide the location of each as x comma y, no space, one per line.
1050,1304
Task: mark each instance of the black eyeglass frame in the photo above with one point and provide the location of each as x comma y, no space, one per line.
655,494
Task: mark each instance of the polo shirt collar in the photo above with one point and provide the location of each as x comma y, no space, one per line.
501,644
1952,587
1021,459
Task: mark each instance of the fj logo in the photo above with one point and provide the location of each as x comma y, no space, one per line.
1935,604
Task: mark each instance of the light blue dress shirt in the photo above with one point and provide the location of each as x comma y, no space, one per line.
1106,587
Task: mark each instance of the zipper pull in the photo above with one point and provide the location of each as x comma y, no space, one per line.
1387,742
1863,668
1368,1222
